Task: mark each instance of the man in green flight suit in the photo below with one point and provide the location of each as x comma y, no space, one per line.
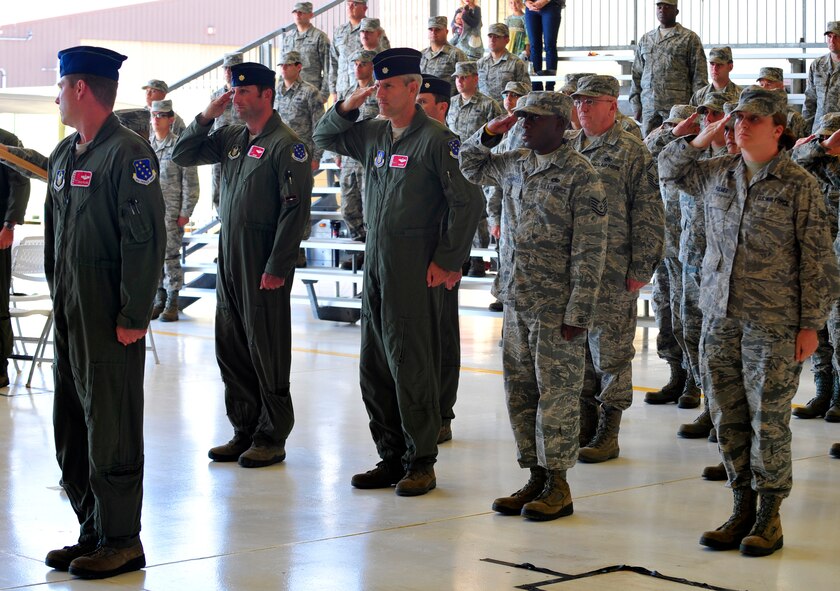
104,243
264,207
414,189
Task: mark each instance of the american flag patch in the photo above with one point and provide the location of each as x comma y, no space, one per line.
256,152
398,161
299,152
81,178
144,174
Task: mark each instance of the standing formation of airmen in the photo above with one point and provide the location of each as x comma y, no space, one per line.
736,228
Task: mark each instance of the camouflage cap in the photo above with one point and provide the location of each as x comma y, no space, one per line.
570,82
829,123
157,85
499,29
466,69
164,106
760,101
437,22
714,102
370,24
515,87
832,27
363,55
720,55
680,113
546,103
232,59
771,74
303,7
290,57
727,110
671,2
597,85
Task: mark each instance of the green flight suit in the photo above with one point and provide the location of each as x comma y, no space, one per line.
412,185
264,207
104,242
14,196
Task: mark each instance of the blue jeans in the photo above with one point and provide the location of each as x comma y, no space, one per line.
543,26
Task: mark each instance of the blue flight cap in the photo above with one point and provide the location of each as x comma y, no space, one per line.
397,61
86,59
249,73
435,85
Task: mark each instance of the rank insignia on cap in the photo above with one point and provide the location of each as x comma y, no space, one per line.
427,85
299,153
454,148
385,70
398,161
81,178
380,159
144,174
256,152
234,153
58,180
241,77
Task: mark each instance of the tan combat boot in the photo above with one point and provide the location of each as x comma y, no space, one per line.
108,561
553,502
418,480
170,312
513,504
728,536
766,535
604,446
160,303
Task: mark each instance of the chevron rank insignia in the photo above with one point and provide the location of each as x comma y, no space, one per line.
299,152
598,207
144,174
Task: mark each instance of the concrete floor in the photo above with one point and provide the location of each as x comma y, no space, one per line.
300,525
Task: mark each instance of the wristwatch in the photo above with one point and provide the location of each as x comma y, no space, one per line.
9,225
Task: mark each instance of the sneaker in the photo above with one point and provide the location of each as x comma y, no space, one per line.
60,559
107,561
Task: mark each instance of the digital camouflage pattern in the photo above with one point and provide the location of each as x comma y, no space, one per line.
466,116
442,63
822,90
346,42
731,91
314,48
493,74
300,107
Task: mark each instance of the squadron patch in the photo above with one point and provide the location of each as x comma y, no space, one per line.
599,208
144,174
256,152
81,178
454,148
58,180
398,161
299,153
234,153
379,161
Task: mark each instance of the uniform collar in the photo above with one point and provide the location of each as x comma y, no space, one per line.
776,167
111,125
559,159
417,121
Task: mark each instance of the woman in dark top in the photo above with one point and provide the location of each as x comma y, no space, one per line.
542,22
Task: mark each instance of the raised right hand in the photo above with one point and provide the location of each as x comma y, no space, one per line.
356,100
502,124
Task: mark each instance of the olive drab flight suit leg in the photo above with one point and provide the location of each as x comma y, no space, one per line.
450,348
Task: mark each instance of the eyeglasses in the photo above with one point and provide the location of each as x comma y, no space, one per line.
161,115
589,101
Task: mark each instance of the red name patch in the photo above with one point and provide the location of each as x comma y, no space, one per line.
256,152
398,161
81,178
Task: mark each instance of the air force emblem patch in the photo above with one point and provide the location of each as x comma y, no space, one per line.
234,153
299,153
454,148
58,180
144,174
379,161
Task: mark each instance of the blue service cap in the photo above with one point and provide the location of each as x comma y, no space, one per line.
249,73
85,59
435,85
397,61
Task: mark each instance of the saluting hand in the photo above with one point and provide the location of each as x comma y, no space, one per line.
832,144
690,126
215,108
705,137
502,124
803,140
355,100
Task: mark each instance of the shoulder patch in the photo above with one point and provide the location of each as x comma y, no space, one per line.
299,152
599,208
454,148
144,174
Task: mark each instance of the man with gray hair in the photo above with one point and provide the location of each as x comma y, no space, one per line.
314,48
440,57
669,65
499,66
346,42
720,65
635,238
553,246
822,91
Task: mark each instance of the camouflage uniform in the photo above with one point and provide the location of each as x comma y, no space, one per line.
300,107
767,273
512,140
634,250
442,63
226,118
553,246
314,47
179,185
666,72
352,177
731,91
795,121
493,75
629,124
346,42
822,90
